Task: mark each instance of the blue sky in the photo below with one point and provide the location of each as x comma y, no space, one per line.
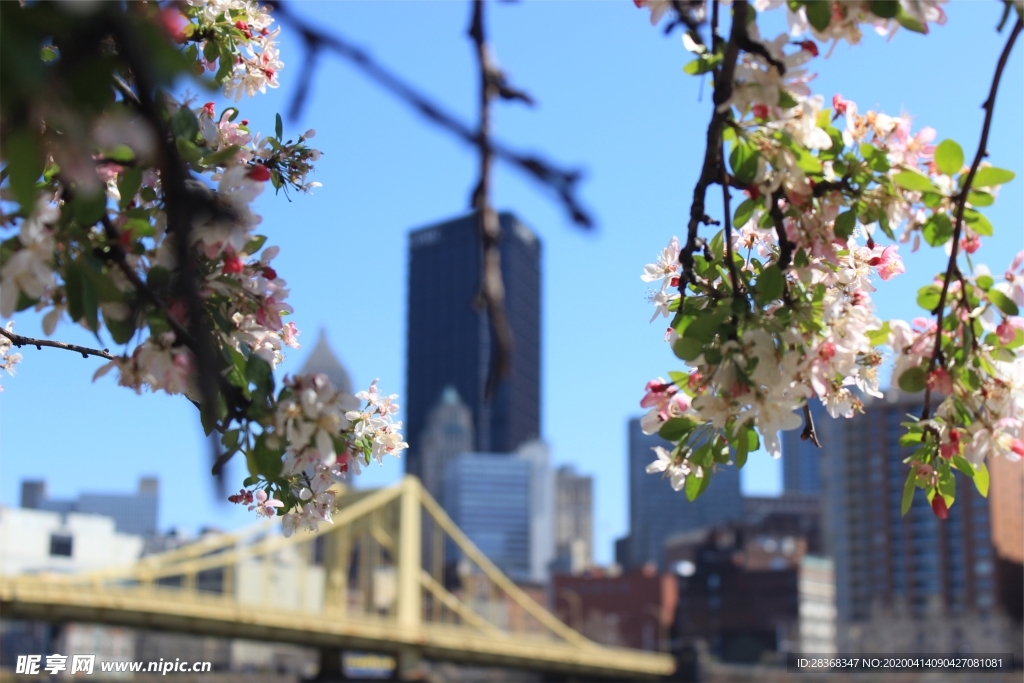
612,100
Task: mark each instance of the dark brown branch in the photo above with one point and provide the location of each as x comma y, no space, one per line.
961,203
710,171
733,277
492,289
563,183
180,206
779,222
19,341
809,433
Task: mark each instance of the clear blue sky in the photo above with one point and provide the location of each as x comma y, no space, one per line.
613,100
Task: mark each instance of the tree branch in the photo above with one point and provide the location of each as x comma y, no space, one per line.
961,203
492,290
19,341
562,183
710,172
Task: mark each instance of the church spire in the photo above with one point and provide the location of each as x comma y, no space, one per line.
322,360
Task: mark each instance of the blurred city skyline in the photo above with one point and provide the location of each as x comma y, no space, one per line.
612,100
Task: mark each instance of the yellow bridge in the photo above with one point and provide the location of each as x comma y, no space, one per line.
375,580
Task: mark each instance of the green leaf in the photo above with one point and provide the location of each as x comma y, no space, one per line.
770,284
910,22
819,13
786,101
744,212
960,462
47,54
743,160
1002,302
980,198
742,447
128,184
704,327
984,282
254,245
217,158
24,166
913,380
676,428
914,181
981,480
845,223
688,348
885,9
879,336
928,297
121,331
991,176
949,157
184,124
937,229
978,222
279,127
258,372
908,491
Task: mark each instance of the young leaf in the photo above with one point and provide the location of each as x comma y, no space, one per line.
279,127
937,230
960,462
770,285
1002,302
744,212
992,176
949,157
981,480
845,223
913,380
908,492
912,180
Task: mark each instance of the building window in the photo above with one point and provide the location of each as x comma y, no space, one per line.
60,545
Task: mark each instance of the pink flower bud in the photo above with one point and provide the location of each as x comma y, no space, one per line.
839,104
260,173
233,265
939,506
809,46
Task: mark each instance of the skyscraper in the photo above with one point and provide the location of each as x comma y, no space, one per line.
909,583
134,514
574,520
657,512
449,340
447,433
487,495
801,460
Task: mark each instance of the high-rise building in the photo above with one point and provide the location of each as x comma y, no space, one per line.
574,520
657,512
910,583
134,514
447,433
801,460
322,360
487,495
450,340
541,507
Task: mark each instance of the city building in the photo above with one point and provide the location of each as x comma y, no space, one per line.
1006,502
134,514
449,336
910,583
792,513
322,360
801,460
447,432
33,541
574,521
739,590
657,512
816,587
541,510
487,495
632,609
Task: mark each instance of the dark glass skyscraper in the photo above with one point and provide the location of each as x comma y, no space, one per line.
449,342
801,460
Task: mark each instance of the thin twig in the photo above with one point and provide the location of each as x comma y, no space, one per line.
961,203
727,217
19,341
809,433
563,183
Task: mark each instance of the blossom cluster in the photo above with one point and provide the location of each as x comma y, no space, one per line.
776,310
89,207
8,358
